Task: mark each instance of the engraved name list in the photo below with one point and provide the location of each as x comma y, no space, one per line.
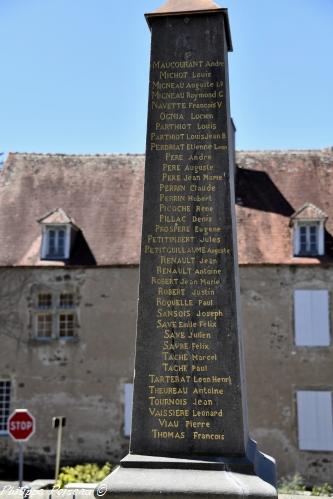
187,388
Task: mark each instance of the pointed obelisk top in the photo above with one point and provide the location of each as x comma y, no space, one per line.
190,7
172,6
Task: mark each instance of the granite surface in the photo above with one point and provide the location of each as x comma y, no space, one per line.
187,391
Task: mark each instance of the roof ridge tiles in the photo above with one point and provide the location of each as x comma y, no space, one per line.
78,155
328,150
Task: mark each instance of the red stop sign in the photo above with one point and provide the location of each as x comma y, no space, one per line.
21,425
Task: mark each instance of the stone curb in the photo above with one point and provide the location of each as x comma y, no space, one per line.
46,494
305,496
79,493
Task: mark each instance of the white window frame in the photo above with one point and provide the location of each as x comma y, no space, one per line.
45,253
320,235
312,317
5,393
128,407
315,420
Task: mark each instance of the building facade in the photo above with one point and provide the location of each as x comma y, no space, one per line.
70,229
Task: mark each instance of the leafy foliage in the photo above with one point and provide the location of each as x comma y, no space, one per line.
291,484
295,485
82,473
322,490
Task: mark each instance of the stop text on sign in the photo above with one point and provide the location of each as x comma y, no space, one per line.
21,425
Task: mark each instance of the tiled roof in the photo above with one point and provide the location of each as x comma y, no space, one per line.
271,187
103,194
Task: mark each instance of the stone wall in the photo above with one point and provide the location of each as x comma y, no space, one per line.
83,379
276,368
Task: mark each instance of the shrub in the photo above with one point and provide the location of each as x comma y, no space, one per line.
291,484
84,473
322,490
295,485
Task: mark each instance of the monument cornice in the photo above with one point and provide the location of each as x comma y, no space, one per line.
190,8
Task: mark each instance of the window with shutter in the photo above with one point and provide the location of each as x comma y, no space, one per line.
311,317
315,420
128,396
309,230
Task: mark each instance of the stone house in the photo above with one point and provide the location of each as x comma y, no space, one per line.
70,239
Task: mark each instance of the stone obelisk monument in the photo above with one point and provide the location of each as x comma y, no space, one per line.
189,426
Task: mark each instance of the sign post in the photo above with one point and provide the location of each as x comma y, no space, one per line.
21,427
21,450
58,423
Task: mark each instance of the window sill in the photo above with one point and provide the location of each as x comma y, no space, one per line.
48,341
307,255
317,450
319,347
59,258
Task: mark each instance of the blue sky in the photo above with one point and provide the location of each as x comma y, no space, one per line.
74,74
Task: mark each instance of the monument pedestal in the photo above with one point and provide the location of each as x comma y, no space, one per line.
160,478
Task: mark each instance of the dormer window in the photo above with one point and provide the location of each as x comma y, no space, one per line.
58,233
308,239
309,228
56,241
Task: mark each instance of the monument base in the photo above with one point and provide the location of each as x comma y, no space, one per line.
161,478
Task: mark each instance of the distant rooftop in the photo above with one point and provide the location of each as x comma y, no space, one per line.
104,193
